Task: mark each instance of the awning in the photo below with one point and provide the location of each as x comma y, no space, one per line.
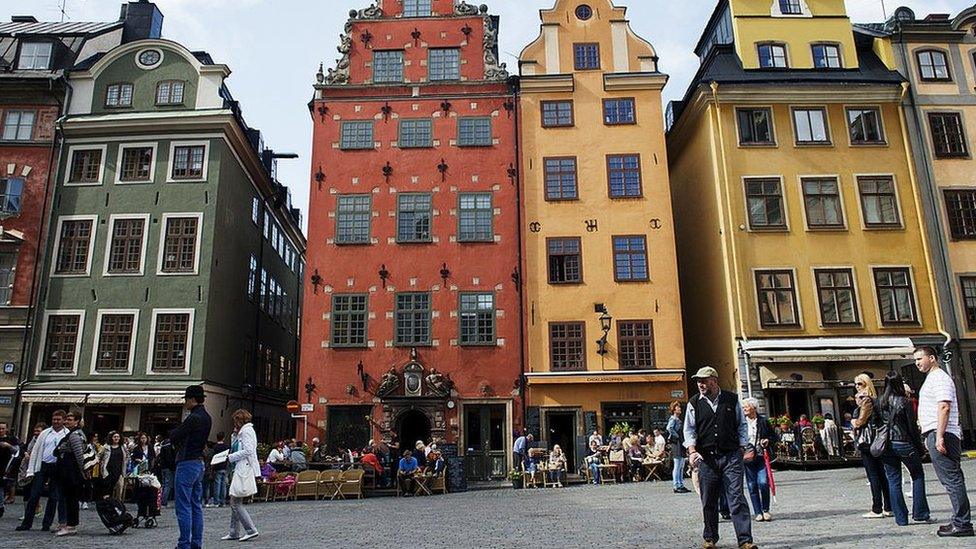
613,376
94,398
829,349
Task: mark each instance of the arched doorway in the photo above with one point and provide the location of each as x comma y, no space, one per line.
414,425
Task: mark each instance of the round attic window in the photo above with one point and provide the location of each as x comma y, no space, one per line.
584,12
149,59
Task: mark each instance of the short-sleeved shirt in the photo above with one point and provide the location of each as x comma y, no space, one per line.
938,387
408,465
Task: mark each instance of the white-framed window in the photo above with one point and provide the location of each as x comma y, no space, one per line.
933,65
811,126
179,244
826,56
357,134
136,163
61,333
114,348
8,274
444,64
170,92
125,249
387,66
35,56
171,341
773,56
86,165
416,8
73,245
18,125
188,162
119,95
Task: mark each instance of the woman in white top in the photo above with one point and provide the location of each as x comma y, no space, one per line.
243,457
277,454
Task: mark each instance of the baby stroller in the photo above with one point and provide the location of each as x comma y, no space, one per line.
146,492
113,515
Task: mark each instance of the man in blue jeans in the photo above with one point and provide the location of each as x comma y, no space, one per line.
41,466
190,437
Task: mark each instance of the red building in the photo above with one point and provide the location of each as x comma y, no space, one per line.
411,322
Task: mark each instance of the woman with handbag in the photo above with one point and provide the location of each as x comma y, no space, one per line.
904,446
71,473
243,458
865,428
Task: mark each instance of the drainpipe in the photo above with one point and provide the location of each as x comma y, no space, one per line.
40,254
517,98
732,278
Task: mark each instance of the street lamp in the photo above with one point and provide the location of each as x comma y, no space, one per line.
605,322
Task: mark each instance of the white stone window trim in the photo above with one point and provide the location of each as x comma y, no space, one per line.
152,341
162,243
776,11
80,313
152,168
108,243
71,160
57,245
172,158
98,334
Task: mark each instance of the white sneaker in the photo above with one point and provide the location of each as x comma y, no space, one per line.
66,531
229,537
887,514
248,537
872,515
767,517
759,518
58,528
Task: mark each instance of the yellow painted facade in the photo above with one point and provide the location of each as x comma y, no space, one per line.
728,254
627,70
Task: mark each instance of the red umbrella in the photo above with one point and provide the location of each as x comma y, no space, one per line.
769,473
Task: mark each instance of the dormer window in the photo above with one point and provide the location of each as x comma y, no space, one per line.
826,56
790,7
416,8
773,56
170,92
35,56
933,65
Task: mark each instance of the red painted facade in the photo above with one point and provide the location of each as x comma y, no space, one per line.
481,376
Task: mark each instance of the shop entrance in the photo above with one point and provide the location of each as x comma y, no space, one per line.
484,441
561,430
104,420
414,425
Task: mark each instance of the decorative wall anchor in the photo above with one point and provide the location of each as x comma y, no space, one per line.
592,225
445,273
316,281
384,274
442,167
535,227
310,388
446,107
467,30
387,172
323,111
387,110
416,36
366,38
320,177
509,107
513,173
656,224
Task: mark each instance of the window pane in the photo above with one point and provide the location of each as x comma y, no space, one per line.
619,111
765,201
560,176
821,198
61,338
125,252
179,245
114,343
754,126
11,193
349,320
170,342
630,258
416,133
811,125
477,319
586,56
416,8
18,125
625,176
136,163
357,135
564,256
961,211
865,126
73,247
413,318
557,113
895,296
636,343
475,218
444,64
474,132
353,217
8,270
188,161
777,299
414,217
388,66
567,346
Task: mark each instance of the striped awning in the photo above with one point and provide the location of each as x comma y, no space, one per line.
95,398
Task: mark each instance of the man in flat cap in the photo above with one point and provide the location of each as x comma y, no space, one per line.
717,439
190,437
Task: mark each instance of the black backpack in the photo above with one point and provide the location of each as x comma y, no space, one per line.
113,515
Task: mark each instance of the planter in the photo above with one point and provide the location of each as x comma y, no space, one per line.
517,484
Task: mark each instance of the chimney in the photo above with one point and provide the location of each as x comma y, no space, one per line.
23,19
141,20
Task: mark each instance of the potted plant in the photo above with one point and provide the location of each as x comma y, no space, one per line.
516,477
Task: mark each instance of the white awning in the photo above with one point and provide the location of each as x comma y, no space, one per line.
94,398
829,349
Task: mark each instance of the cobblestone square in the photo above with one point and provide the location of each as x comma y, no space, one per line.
813,509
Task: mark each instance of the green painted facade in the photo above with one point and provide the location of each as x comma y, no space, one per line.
229,327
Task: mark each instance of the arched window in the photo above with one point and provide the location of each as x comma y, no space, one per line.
933,65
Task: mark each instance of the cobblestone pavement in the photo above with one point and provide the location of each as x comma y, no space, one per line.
813,509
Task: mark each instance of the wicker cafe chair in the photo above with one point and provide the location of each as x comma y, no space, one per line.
306,485
808,439
439,484
352,483
327,484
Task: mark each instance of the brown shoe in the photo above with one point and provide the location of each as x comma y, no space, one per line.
709,545
748,545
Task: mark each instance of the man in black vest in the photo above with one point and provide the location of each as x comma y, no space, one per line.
717,439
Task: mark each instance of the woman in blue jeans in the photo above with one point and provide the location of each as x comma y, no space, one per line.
761,437
904,446
873,467
676,437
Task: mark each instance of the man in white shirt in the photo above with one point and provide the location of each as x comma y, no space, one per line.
42,465
938,416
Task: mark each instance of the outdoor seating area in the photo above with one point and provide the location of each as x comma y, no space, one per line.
330,484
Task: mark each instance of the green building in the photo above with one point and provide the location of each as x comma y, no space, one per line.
174,256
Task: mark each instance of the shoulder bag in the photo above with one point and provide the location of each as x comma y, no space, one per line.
882,432
242,484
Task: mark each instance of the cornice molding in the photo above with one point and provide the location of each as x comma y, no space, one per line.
548,83
634,81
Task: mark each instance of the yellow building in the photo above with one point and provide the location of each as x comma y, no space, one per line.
937,55
801,255
602,303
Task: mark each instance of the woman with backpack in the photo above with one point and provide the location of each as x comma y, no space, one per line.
865,428
904,446
71,471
